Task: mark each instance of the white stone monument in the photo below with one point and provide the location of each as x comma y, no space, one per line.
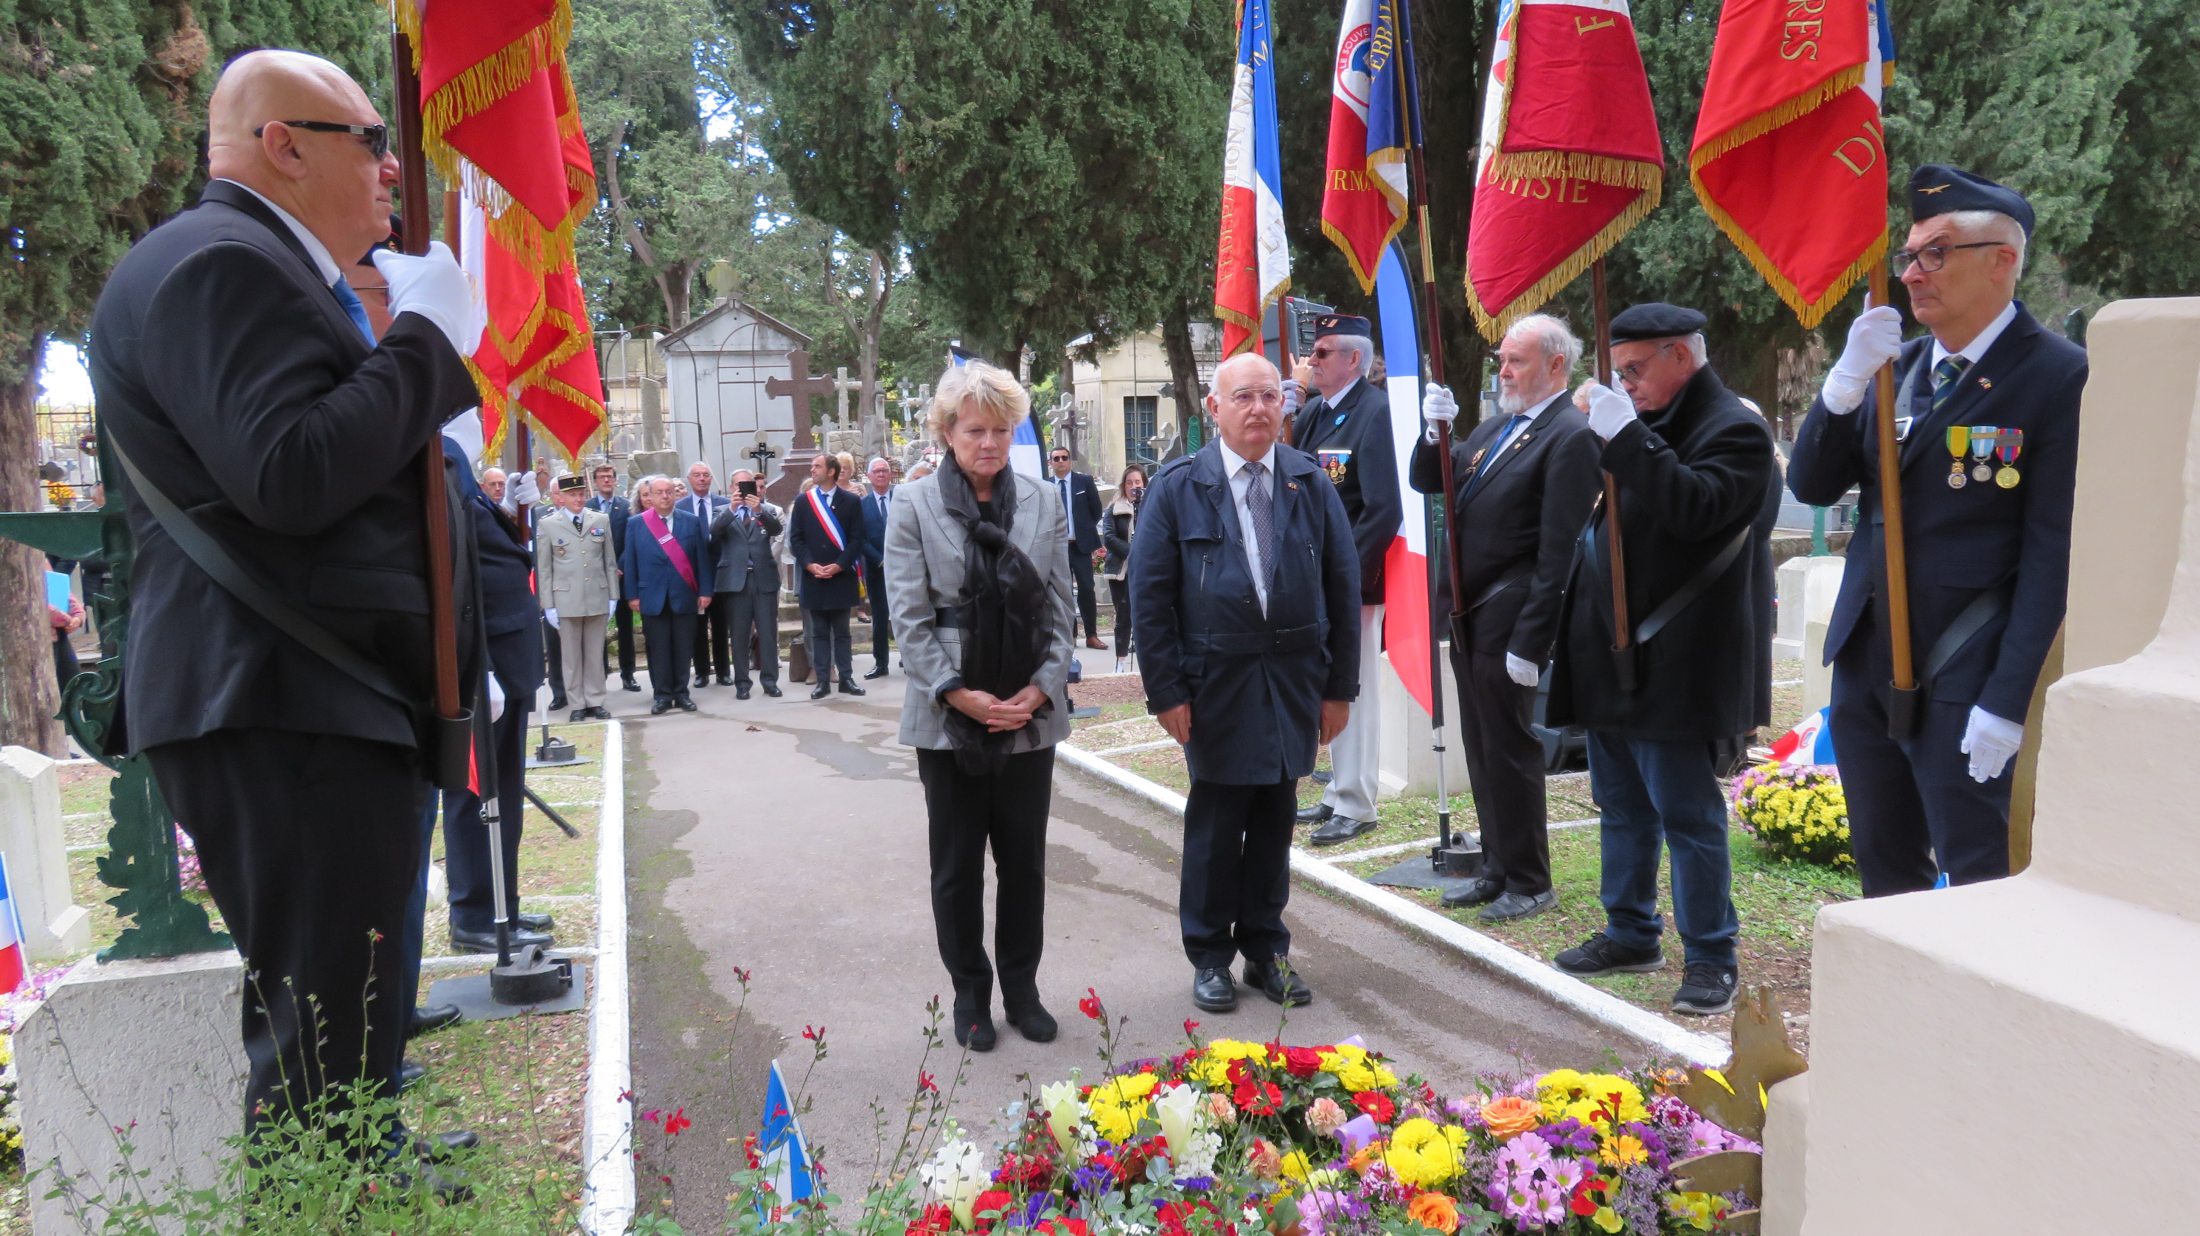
38,859
716,368
1955,1034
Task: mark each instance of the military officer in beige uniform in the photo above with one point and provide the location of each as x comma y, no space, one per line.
576,583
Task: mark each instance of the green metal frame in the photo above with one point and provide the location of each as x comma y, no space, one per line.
141,846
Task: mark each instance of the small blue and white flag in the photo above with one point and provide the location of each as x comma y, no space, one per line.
13,970
1024,452
785,1152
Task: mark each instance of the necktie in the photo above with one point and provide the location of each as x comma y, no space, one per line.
353,309
1944,378
1069,515
1261,504
576,521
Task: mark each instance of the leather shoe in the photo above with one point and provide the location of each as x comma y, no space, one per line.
1322,776
822,690
427,1019
687,705
1032,1019
660,708
974,1029
442,1145
702,680
578,714
725,680
535,922
600,712
1094,641
849,688
1518,905
740,693
1341,828
1279,985
628,684
772,689
879,672
408,1073
486,941
1213,991
1315,814
1480,893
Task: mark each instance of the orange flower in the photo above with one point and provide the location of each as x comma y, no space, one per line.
1510,1117
1365,1156
1434,1210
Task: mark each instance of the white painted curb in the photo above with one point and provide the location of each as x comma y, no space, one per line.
607,1135
1562,989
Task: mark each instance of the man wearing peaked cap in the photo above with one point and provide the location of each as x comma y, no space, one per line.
1347,431
1987,416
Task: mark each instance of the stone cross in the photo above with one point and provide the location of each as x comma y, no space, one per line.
842,387
799,388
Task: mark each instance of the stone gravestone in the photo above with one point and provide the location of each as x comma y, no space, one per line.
719,374
802,447
38,859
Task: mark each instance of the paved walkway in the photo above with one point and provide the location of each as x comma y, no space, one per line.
786,838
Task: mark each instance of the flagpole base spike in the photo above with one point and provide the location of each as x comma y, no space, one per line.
533,979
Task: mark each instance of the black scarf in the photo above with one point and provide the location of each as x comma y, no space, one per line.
1004,614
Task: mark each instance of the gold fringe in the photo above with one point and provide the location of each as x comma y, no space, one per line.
1576,165
1788,111
1252,324
1809,312
1493,325
1366,277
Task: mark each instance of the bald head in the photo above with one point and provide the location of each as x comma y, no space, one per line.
330,182
1247,404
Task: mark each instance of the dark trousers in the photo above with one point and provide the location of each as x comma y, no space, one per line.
65,664
1119,591
311,846
671,640
1008,809
1504,768
466,840
1088,605
753,610
827,630
1237,872
882,624
622,620
1663,792
416,911
711,649
1911,803
553,655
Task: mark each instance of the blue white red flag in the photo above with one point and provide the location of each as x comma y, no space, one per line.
1024,454
783,1150
1405,564
1253,258
1810,743
13,969
1364,191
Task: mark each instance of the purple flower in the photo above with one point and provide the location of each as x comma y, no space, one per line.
1197,1184
1466,1110
1637,1202
1531,1185
1321,1209
1093,1178
1568,1134
1032,1212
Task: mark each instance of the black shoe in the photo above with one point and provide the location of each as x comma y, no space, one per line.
660,708
1480,893
1032,1019
849,688
702,680
1518,905
1601,954
1315,814
580,714
443,1145
1706,988
878,672
408,1073
628,684
600,712
1342,828
1213,990
823,689
974,1029
686,705
430,1018
772,689
741,692
725,680
557,703
1279,983
486,941
535,922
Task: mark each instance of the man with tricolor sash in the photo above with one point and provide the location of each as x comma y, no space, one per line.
1987,417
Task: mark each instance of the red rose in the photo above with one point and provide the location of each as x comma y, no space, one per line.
937,1220
1029,1170
996,1200
1302,1062
1379,1108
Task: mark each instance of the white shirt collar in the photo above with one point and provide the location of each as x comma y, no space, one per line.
1234,463
322,262
1975,351
1342,395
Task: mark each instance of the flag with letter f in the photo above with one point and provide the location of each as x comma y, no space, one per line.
1364,188
1253,260
1570,159
1789,158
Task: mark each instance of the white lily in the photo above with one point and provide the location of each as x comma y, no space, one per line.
1063,1112
1178,1111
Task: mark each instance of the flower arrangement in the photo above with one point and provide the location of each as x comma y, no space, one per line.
1797,812
188,872
61,494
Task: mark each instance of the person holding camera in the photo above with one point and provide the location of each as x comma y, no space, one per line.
747,580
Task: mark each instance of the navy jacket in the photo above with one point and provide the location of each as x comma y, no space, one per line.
1369,485
509,615
1964,541
618,510
808,542
1084,509
875,511
1255,681
649,577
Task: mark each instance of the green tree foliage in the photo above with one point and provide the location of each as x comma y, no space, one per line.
2146,231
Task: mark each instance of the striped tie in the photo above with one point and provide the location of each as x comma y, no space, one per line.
1944,378
1261,503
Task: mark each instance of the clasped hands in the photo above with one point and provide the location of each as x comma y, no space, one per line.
999,715
824,570
1178,720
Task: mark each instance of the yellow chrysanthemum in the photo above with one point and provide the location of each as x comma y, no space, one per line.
1296,1166
1358,1071
1420,1154
1119,1103
1625,1150
1564,1092
1212,1069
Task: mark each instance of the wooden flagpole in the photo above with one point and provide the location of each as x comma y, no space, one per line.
1902,706
1623,645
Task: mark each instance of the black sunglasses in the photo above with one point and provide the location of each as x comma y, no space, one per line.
377,135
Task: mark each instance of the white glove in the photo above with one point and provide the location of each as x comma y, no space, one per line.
433,286
496,699
611,607
523,491
1438,407
1990,741
551,616
1875,338
1523,671
1609,411
1293,396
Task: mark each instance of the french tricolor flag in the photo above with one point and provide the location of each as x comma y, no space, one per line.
1253,260
13,969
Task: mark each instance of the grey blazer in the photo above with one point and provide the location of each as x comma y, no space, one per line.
924,574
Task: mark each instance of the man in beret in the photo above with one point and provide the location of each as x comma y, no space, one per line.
1698,493
1347,431
1987,415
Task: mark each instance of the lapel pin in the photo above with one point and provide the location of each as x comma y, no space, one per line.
1290,484
1985,384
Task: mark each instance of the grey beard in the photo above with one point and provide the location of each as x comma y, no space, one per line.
1511,404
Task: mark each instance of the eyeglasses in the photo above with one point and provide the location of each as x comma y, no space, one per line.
1061,459
1932,257
1631,374
377,136
1322,353
1267,397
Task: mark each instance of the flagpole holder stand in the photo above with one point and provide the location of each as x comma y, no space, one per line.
564,990
1461,860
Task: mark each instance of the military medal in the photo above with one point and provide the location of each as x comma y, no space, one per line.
1959,444
2010,446
1335,460
1982,449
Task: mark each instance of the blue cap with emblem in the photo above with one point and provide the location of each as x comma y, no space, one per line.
1936,189
1340,324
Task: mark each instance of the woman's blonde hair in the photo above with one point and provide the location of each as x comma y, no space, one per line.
997,393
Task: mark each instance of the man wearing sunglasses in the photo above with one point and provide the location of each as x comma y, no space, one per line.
272,443
1989,402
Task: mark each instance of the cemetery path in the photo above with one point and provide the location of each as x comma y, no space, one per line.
786,839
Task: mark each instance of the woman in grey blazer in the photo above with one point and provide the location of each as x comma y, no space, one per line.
978,585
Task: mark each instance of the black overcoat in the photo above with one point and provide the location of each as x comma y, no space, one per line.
1360,423
808,541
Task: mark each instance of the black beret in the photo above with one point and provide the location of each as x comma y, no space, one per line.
1936,189
1655,320
1340,324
